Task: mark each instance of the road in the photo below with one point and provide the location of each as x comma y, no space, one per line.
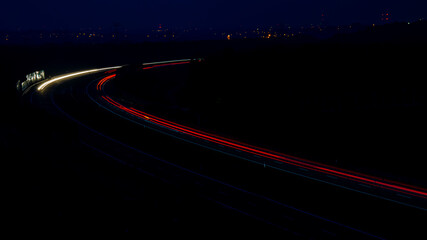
88,91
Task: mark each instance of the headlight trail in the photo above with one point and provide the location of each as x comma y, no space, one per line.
261,152
163,62
67,76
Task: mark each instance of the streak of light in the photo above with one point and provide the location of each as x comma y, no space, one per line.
71,75
101,83
261,152
163,62
265,153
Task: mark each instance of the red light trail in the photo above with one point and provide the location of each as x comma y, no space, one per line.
261,152
101,83
165,64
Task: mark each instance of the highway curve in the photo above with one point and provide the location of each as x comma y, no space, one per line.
166,150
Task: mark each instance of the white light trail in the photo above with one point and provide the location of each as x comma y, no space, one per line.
170,61
67,76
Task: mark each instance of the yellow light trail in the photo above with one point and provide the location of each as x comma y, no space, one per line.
75,74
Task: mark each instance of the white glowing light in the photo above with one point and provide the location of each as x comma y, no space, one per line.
67,76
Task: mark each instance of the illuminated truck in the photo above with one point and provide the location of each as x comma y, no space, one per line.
32,78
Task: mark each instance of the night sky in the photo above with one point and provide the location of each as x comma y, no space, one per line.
140,14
